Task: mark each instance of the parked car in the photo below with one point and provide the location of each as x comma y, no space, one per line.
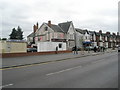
117,46
119,49
89,48
31,49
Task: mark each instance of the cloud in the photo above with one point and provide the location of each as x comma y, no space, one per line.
91,14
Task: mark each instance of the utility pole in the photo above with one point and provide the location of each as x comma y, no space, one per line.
81,42
75,39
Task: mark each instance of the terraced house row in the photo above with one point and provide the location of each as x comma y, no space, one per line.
66,33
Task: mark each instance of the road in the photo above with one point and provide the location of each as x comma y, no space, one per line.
99,71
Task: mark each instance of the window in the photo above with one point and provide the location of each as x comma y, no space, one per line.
38,39
46,28
71,36
60,45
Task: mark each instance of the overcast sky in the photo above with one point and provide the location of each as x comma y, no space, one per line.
93,15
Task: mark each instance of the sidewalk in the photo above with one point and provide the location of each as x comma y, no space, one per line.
29,60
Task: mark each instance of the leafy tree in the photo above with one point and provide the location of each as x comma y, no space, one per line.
16,34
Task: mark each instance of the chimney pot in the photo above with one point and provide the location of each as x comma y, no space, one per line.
100,31
49,23
37,25
34,28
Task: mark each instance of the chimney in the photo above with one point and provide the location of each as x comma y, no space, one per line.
100,31
34,28
114,34
49,23
117,33
107,32
37,25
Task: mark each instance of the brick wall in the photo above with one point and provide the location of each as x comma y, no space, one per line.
7,55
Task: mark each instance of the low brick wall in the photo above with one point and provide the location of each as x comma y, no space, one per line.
7,55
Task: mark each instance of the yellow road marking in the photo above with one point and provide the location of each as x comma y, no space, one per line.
31,65
38,63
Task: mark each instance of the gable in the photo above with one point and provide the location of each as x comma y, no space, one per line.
86,33
71,29
94,36
44,29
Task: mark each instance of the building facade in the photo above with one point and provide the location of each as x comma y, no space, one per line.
48,32
65,32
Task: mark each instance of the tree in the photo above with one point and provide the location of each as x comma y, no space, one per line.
19,33
16,34
13,34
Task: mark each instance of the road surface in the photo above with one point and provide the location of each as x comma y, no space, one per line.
100,71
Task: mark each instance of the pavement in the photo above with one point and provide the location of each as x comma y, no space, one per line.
30,60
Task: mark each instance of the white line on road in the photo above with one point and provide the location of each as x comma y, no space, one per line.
63,70
6,85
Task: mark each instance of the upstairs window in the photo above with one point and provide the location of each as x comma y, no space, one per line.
46,28
71,36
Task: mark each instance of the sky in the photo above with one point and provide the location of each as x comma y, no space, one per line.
93,15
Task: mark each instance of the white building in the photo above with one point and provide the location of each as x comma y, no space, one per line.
50,46
48,32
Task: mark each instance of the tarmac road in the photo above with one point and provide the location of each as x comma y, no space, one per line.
100,71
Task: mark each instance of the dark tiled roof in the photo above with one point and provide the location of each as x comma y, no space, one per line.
92,32
104,34
79,30
31,35
56,28
114,36
65,26
110,36
84,31
97,33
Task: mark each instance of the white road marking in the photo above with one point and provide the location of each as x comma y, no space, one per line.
6,85
63,70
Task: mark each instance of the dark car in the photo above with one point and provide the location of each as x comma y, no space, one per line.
31,49
119,49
